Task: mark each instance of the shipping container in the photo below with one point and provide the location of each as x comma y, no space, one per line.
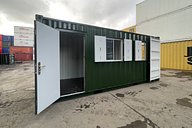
23,57
176,55
5,50
0,37
23,36
21,29
12,40
4,59
6,38
1,44
0,50
21,49
73,58
7,44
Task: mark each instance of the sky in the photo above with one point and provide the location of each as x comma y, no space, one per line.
116,14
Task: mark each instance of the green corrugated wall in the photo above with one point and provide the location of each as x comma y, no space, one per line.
103,75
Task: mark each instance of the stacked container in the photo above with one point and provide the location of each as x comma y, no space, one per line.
1,45
7,41
22,53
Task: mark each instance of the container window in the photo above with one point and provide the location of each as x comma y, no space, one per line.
140,51
143,45
114,49
117,50
107,50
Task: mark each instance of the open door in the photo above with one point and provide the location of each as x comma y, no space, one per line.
154,58
47,66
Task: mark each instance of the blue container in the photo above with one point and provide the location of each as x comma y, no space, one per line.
7,44
12,40
6,38
5,50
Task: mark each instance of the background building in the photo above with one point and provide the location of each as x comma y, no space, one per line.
171,20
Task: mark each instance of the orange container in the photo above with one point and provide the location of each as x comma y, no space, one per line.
1,44
0,37
20,49
23,57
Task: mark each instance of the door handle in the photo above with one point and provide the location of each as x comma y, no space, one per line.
40,67
43,66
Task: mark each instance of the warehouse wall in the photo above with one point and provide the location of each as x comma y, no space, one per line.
173,55
169,19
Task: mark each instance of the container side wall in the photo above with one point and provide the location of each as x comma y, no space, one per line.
110,74
103,75
174,55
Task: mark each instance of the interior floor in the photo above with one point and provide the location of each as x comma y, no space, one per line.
72,86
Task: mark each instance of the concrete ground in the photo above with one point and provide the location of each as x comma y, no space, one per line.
162,104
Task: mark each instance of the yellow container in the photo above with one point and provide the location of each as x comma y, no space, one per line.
173,55
130,29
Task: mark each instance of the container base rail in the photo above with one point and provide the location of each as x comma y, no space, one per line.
6,59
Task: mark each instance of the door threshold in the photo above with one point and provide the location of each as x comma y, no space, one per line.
72,94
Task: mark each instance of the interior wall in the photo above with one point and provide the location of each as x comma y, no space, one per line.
71,56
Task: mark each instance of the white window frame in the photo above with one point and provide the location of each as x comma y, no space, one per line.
100,49
137,56
121,42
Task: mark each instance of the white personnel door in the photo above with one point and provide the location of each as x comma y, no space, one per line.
47,66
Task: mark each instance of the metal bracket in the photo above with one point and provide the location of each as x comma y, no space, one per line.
40,67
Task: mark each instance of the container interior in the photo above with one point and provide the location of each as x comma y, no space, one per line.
71,63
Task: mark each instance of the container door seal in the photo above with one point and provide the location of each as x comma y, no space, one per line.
47,68
154,58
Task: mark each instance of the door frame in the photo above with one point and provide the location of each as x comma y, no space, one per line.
35,65
83,36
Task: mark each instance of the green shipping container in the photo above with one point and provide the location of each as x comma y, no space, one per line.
73,58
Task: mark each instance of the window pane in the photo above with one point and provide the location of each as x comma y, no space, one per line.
117,49
143,51
109,45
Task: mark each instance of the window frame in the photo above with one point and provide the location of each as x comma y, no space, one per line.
121,48
141,55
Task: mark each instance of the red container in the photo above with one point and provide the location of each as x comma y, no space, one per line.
1,44
20,49
23,57
0,37
0,50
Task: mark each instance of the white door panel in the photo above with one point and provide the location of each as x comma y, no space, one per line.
154,59
138,50
127,50
156,55
48,77
100,48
